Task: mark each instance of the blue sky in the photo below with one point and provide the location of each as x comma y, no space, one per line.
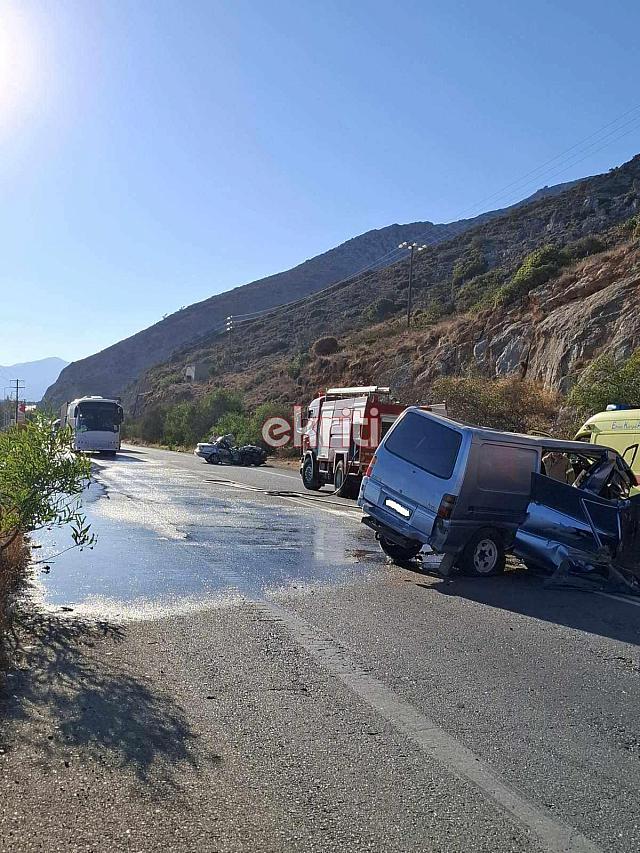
153,153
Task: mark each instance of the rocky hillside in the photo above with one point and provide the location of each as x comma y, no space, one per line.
110,372
540,291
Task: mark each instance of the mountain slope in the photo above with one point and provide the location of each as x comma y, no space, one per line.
36,375
540,291
110,371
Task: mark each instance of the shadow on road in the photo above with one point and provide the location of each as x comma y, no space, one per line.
65,698
524,593
126,456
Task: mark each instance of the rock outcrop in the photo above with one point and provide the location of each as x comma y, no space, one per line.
559,329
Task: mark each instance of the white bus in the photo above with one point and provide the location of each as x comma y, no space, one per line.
95,422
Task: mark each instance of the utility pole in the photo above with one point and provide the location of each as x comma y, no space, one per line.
19,383
229,325
412,247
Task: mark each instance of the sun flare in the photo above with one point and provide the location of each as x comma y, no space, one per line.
17,61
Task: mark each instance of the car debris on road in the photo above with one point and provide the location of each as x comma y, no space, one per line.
222,450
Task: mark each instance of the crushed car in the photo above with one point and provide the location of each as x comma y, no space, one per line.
222,450
474,494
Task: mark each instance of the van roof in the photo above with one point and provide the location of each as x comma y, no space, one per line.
516,437
612,415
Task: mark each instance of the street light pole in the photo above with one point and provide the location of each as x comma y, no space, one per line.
412,247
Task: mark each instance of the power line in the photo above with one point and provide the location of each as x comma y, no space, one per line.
453,229
532,172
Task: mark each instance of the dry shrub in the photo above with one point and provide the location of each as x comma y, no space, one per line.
326,346
13,563
511,404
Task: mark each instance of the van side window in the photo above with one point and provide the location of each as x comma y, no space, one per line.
425,443
506,469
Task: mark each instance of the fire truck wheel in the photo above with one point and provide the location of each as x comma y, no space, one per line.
399,553
310,475
345,486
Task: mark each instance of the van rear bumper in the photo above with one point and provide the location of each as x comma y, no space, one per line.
387,532
446,537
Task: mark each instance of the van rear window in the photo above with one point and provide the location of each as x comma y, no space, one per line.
425,443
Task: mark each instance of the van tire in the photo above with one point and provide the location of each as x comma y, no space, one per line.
484,555
399,553
309,474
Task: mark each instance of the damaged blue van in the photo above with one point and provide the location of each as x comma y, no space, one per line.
475,494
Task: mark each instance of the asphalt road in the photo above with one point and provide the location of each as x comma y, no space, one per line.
242,671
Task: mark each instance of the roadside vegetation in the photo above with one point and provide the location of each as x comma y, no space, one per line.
606,380
41,481
184,424
510,404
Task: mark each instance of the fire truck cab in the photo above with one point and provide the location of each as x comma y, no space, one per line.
341,432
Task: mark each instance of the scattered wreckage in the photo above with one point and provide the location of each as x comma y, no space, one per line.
474,494
223,451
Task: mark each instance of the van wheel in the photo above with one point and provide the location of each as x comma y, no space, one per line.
309,474
483,555
399,553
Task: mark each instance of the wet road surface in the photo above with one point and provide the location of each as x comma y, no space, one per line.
271,684
175,531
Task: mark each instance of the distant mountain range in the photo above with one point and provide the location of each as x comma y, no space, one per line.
111,371
37,376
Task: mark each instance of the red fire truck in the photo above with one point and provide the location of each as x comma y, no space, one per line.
341,432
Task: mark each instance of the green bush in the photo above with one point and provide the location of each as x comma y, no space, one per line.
632,226
471,265
297,364
169,379
41,480
606,380
536,269
381,309
480,291
150,427
178,424
543,264
185,424
247,428
238,424
589,245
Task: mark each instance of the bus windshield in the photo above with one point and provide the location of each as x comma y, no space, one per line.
103,417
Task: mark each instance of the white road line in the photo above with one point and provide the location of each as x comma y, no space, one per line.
291,476
307,502
634,601
556,835
345,513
